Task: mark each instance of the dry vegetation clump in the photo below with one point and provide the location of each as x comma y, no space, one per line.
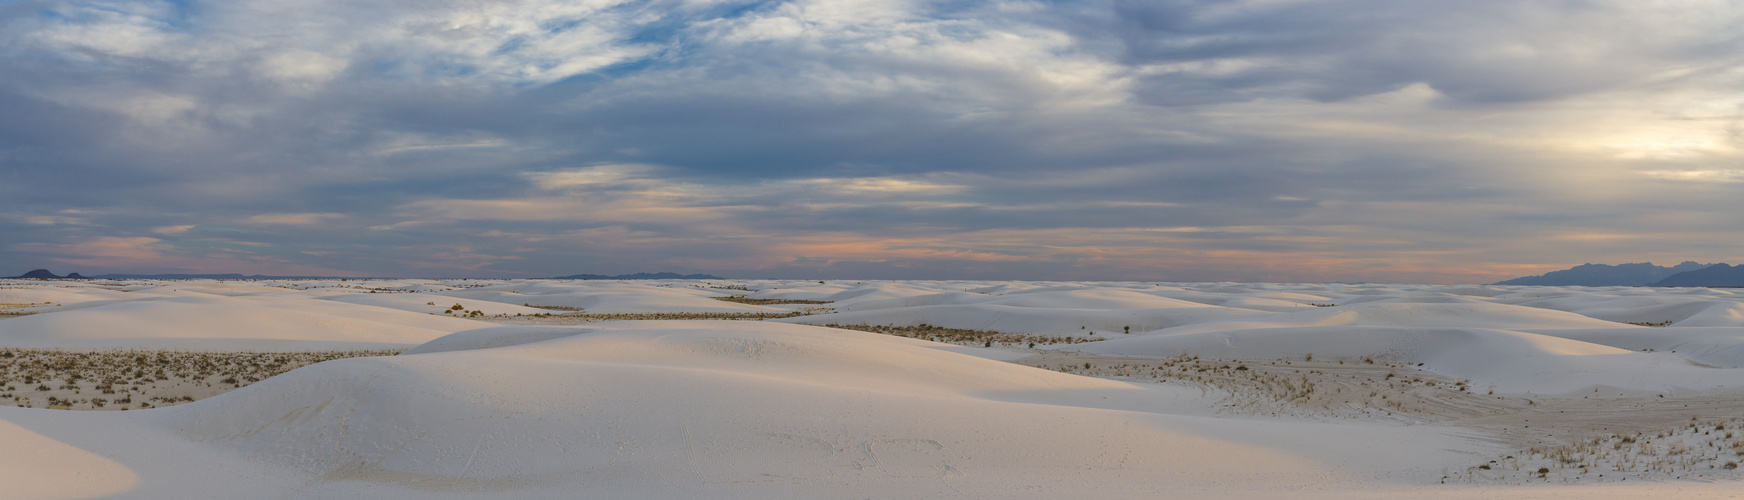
580,318
983,338
765,302
554,308
1701,450
1365,388
130,379
1558,440
14,309
1653,324
460,311
683,316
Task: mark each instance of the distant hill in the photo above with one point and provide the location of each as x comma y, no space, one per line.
641,276
1607,275
43,274
1717,275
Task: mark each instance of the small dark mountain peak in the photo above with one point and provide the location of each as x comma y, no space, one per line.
41,274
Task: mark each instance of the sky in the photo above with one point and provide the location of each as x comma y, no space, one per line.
1150,140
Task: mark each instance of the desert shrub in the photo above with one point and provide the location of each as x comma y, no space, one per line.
554,308
985,338
764,302
129,373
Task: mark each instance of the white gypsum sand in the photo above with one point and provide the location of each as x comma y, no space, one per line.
1163,390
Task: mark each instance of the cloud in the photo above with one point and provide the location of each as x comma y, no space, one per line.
1706,176
595,176
172,230
303,219
1195,139
110,247
301,67
51,220
1202,51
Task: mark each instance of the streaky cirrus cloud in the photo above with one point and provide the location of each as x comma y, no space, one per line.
1307,140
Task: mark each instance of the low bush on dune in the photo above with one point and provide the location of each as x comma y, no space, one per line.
984,338
1703,449
127,379
1651,323
554,308
683,316
579,318
740,298
15,309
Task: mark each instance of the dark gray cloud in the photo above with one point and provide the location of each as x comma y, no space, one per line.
1475,52
1396,141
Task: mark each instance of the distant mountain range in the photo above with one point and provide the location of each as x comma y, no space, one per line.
43,274
641,276
1689,273
1717,275
1640,274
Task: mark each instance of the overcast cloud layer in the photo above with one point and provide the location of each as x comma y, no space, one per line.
1275,140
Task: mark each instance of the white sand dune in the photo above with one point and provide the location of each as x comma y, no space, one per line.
742,410
763,409
1631,306
610,297
1410,314
1048,321
843,294
56,295
433,304
227,323
1059,299
1506,361
37,466
1714,346
490,338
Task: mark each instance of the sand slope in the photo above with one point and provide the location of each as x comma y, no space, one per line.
792,411
212,322
718,409
610,297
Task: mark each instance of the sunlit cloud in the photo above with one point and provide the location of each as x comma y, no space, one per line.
172,230
1718,176
596,176
109,247
144,254
878,185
